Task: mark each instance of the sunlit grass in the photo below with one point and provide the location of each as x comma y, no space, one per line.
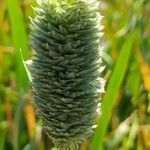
126,103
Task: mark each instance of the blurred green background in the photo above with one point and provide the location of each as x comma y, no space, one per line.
125,120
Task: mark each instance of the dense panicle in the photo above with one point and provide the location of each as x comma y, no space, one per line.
65,70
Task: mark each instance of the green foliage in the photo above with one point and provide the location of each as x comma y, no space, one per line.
19,40
124,120
111,92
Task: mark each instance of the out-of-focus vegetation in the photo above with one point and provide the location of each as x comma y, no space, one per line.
125,120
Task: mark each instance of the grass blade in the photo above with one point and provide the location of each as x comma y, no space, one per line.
111,92
2,135
19,40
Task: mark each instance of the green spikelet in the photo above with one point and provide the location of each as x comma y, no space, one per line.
65,70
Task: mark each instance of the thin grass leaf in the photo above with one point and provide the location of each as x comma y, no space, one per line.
111,92
19,40
3,135
18,123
